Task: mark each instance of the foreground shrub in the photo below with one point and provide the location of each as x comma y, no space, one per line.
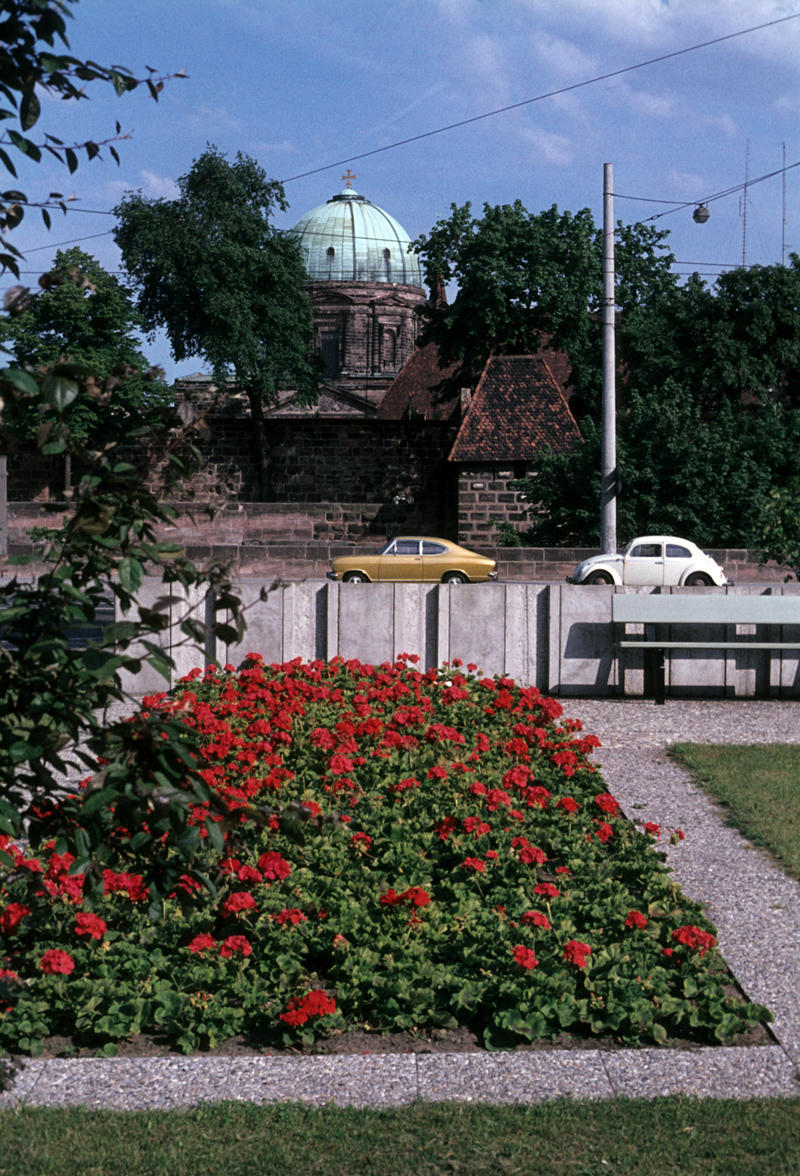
401,851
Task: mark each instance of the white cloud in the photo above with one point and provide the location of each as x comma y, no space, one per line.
723,122
159,187
547,146
213,119
687,184
286,147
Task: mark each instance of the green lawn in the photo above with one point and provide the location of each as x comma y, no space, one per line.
666,1137
759,785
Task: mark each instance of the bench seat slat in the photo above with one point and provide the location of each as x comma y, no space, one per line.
713,609
657,644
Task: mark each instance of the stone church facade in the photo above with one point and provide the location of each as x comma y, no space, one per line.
364,287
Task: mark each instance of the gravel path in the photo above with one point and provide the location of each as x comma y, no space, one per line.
755,907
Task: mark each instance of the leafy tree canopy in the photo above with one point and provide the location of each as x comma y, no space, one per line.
710,479
211,270
527,280
32,35
86,317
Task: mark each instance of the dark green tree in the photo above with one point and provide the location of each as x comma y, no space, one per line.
524,280
84,316
211,270
708,478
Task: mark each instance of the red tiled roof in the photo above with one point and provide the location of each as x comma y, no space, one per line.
411,390
517,408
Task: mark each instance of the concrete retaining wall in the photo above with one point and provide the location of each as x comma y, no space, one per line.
558,637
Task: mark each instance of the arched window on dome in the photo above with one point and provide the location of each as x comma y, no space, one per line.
331,256
387,263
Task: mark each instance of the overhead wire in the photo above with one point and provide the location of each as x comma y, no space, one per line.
676,206
541,97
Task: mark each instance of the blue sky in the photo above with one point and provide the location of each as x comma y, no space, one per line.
304,84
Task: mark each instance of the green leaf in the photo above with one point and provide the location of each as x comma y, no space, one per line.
131,574
215,835
59,391
29,110
23,381
72,159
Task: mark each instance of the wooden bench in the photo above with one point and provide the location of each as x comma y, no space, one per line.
655,611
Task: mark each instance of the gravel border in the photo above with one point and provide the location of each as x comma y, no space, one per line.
755,906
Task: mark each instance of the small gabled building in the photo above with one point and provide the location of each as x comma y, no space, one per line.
516,410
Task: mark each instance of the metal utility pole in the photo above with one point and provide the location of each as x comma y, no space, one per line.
608,482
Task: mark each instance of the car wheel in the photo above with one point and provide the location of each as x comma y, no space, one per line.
698,580
599,578
355,578
455,578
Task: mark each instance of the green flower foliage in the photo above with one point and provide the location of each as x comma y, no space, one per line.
401,851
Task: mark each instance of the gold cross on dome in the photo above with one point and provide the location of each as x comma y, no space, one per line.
348,177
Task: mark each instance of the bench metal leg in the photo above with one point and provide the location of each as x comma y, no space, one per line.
660,675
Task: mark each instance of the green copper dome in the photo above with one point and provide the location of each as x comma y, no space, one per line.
350,240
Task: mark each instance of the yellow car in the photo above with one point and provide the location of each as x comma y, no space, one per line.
414,559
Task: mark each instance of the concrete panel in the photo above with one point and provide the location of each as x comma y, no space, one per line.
697,673
585,644
416,609
790,659
538,660
304,619
478,617
746,671
264,620
173,601
366,622
185,651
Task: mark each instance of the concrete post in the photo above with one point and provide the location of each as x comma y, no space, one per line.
608,483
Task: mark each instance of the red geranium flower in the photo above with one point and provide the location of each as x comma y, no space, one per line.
445,827
290,916
531,855
203,942
607,804
536,919
568,804
547,889
694,938
524,957
89,924
273,866
653,829
57,962
472,863
241,900
636,920
235,945
12,916
576,952
313,1004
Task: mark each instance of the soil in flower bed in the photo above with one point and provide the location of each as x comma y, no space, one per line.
359,1041
434,855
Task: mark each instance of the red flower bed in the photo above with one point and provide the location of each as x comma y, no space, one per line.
402,850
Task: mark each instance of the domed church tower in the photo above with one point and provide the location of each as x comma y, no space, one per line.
364,286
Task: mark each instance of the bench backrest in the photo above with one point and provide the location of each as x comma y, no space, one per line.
652,608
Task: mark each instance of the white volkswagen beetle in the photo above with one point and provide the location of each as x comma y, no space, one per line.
654,560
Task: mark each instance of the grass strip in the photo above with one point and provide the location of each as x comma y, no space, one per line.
665,1137
759,785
